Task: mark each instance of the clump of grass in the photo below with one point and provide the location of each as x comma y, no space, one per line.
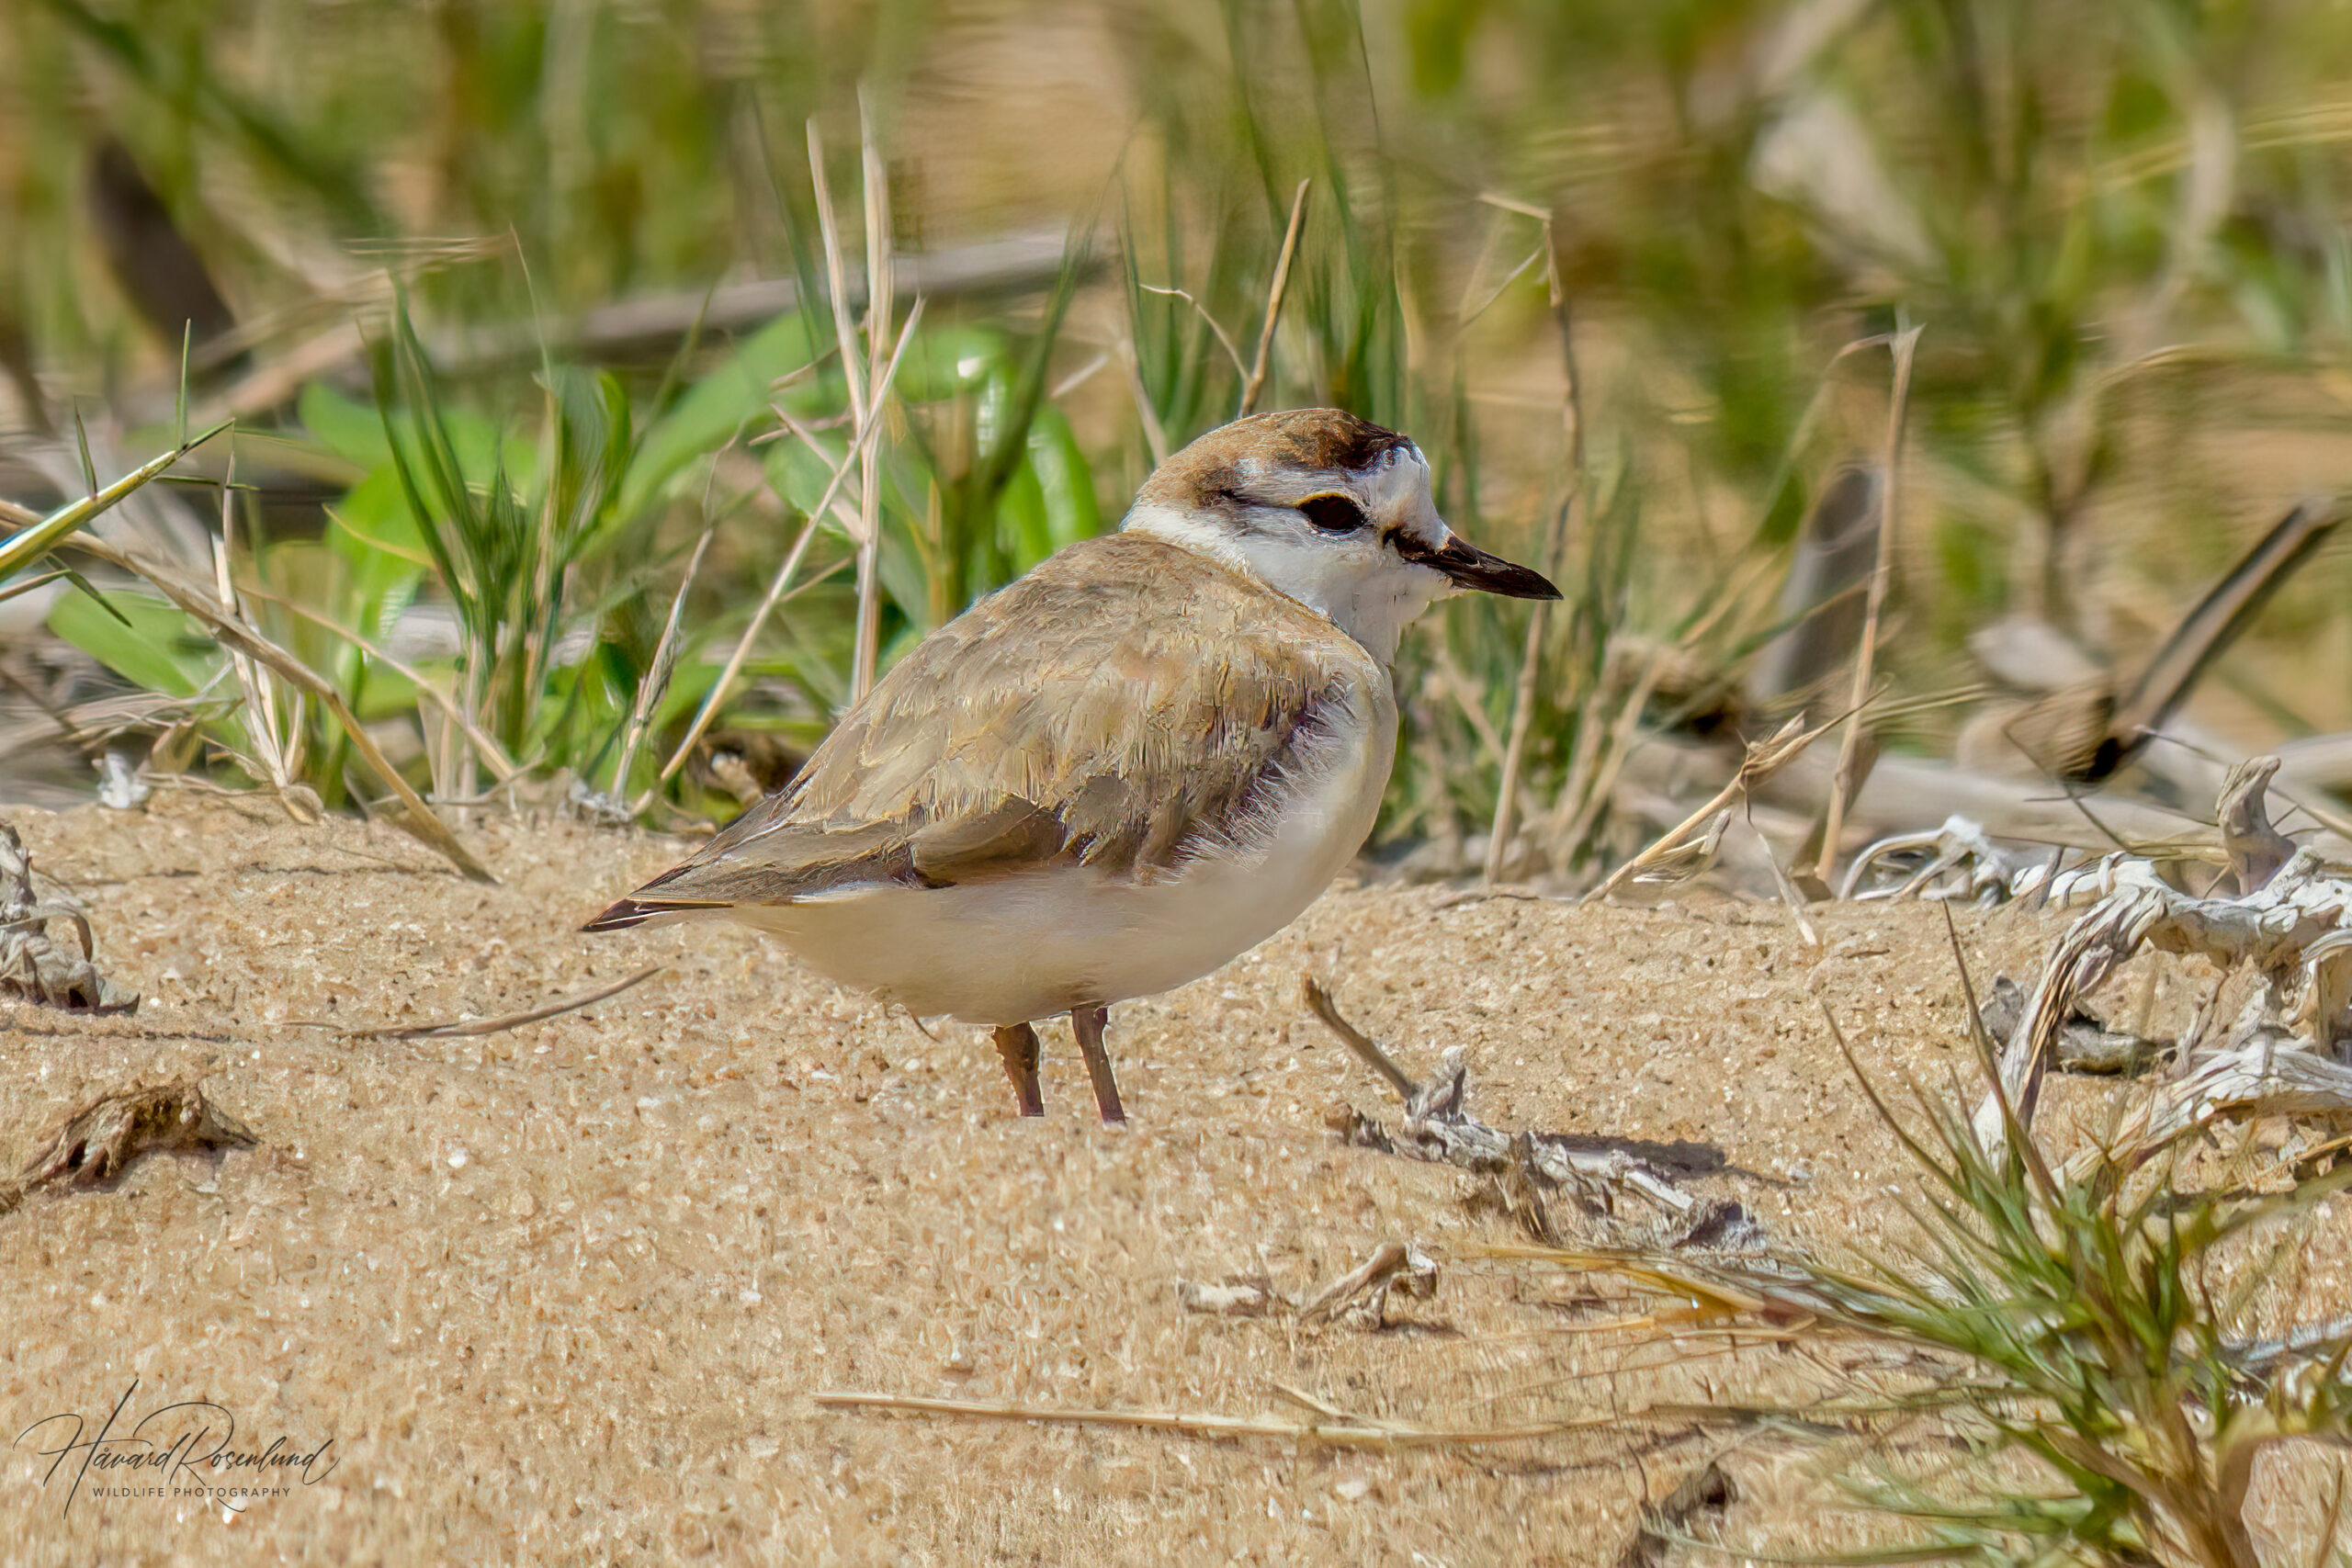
930,459
2092,1325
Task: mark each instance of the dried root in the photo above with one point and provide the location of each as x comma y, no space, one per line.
2286,1053
95,1144
1524,1168
1961,861
31,964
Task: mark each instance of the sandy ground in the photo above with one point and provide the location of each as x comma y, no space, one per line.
563,1294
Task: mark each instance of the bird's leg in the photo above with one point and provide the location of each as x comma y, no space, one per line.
1088,1024
1017,1044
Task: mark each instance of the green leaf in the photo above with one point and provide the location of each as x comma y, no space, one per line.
152,644
1064,477
345,427
734,394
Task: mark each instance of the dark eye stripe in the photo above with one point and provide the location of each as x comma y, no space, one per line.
1333,514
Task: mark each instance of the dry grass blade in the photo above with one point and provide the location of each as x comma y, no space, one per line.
1790,895
238,634
1350,1432
1265,361
1522,709
1709,1293
1904,346
1320,1002
1764,758
1224,338
836,274
491,751
262,726
467,1026
1592,776
867,648
1155,435
665,663
724,687
95,1144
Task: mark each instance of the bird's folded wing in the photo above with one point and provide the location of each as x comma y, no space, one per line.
1068,721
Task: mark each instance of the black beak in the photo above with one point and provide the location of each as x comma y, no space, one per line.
1471,567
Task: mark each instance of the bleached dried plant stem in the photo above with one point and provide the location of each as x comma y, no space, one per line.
1154,437
1903,346
493,753
845,339
656,683
1592,772
2294,930
1216,327
261,706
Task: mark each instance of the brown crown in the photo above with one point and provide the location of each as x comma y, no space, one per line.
1298,439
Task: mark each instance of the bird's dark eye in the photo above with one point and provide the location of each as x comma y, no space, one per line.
1333,514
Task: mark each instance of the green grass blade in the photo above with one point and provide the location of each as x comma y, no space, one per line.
43,536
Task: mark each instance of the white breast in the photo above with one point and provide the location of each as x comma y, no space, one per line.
1034,944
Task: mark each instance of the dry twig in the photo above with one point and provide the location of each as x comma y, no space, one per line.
465,1027
1842,783
1393,1266
1345,1431
1257,382
1438,1127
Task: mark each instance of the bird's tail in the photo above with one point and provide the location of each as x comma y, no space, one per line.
647,911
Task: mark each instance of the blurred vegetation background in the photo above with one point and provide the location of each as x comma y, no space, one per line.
555,463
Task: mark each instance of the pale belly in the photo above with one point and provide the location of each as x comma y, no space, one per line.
1031,945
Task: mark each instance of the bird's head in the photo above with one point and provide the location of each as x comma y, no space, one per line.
1329,509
